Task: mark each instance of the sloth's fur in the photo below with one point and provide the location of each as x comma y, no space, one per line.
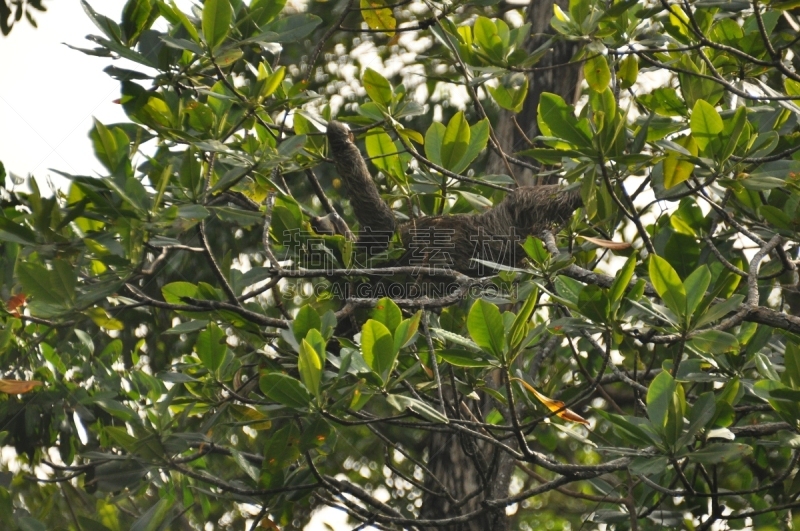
449,241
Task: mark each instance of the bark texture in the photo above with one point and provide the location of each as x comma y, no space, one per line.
562,80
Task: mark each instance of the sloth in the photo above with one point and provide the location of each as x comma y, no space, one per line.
451,241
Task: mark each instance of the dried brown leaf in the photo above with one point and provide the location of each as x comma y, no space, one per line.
18,387
605,244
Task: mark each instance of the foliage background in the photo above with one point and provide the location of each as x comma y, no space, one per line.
177,390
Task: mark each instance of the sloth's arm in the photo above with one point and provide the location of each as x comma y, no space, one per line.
370,210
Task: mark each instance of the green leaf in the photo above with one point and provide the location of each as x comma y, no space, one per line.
110,28
765,367
568,288
559,118
401,403
406,331
135,16
675,414
485,325
696,88
383,153
110,145
112,407
56,286
174,292
156,113
217,16
316,340
659,396
455,338
306,319
715,342
121,50
463,358
535,250
310,366
551,156
593,303
282,448
478,137
265,10
791,360
387,313
377,346
720,453
696,285
737,125
248,467
628,72
186,23
211,347
487,37
12,232
434,138
597,73
285,390
49,354
677,170
706,124
720,310
455,141
377,87
271,82
727,31
315,434
186,327
116,475
154,517
511,93
378,16
668,285
628,425
701,414
647,466
289,29
621,281
292,145
519,328
65,278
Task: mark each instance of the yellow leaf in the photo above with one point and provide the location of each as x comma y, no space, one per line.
102,319
378,16
676,171
254,418
559,14
18,387
556,406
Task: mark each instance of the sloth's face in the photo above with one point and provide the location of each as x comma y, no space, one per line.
338,132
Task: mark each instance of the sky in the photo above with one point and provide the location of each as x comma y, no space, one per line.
49,95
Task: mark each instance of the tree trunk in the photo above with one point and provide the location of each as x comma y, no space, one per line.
466,466
563,80
462,464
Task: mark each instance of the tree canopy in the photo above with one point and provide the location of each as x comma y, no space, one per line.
183,350
12,11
